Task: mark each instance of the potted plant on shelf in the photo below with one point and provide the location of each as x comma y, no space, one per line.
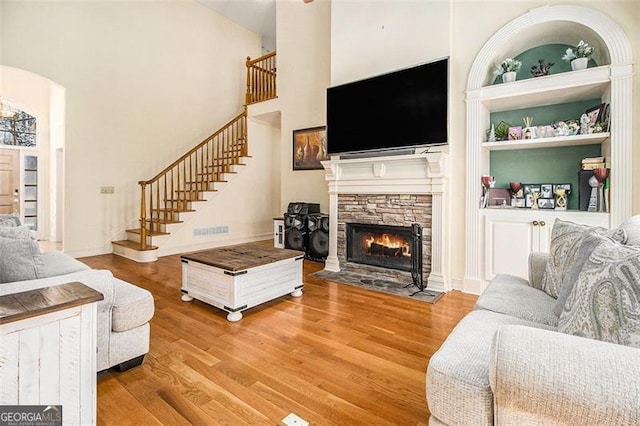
579,55
508,69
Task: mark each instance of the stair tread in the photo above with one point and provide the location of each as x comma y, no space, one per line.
195,190
180,200
149,233
133,245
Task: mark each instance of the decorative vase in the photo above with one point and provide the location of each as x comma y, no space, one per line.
508,77
579,64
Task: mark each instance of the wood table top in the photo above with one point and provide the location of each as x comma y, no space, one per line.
32,303
242,256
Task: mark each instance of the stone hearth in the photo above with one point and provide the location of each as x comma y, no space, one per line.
392,190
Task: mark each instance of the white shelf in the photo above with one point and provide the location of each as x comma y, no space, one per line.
548,90
577,140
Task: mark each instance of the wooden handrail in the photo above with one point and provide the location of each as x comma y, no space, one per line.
200,145
261,78
251,62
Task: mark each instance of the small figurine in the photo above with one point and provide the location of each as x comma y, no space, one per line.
542,69
534,200
492,134
584,124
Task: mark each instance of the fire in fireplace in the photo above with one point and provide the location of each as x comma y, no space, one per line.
379,245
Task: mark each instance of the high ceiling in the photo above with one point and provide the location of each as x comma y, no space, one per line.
256,15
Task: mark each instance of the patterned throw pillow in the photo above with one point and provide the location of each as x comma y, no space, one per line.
566,237
605,301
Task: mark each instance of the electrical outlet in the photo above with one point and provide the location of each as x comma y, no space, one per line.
293,420
107,189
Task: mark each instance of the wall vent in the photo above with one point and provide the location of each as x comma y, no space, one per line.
212,230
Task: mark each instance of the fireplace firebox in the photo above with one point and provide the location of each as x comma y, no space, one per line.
379,245
392,247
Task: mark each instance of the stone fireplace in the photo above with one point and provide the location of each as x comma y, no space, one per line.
387,219
394,191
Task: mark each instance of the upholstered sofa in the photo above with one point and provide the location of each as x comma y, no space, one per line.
123,314
562,347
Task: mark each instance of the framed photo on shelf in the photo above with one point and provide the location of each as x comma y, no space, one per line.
515,133
546,190
497,197
547,203
518,202
309,148
604,118
596,113
565,186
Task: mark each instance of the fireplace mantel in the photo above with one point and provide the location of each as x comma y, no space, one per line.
402,174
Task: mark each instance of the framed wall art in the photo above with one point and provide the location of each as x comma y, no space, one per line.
595,114
309,148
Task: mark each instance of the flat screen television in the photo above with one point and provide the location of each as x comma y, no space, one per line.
400,109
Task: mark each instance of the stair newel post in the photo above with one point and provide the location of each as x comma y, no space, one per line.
245,144
248,94
143,215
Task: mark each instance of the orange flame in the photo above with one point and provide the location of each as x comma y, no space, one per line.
390,242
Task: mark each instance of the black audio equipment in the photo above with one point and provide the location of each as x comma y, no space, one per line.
295,231
296,235
303,208
318,236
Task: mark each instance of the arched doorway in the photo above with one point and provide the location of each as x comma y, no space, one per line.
33,138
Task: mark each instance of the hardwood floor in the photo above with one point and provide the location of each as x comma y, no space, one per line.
339,355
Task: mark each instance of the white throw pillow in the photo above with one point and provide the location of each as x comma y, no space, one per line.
20,259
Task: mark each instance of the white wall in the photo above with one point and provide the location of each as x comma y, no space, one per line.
145,81
303,76
369,38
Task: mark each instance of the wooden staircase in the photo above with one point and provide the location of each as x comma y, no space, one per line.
177,189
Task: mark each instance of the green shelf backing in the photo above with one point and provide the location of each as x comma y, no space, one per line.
542,165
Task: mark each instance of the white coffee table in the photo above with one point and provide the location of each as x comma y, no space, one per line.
236,278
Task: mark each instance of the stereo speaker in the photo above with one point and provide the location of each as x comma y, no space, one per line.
318,236
295,231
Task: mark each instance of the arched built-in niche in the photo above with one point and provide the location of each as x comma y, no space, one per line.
612,81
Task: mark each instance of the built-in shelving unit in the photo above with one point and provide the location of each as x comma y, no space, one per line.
491,233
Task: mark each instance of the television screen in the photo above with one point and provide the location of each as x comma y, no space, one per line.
404,108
